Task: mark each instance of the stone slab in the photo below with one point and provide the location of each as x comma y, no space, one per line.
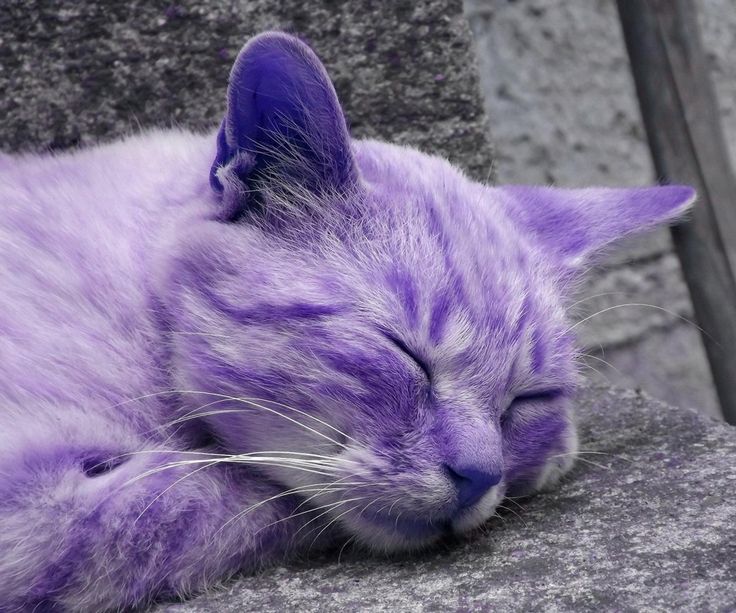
77,73
646,522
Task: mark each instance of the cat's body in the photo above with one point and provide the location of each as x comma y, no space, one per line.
368,330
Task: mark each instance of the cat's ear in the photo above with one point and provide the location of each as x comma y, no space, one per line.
284,126
576,224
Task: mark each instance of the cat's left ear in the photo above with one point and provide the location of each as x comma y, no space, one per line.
574,225
283,126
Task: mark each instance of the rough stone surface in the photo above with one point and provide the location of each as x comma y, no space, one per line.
562,109
645,522
77,73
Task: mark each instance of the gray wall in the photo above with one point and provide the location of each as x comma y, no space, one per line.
563,110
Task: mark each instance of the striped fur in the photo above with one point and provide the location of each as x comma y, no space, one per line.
208,367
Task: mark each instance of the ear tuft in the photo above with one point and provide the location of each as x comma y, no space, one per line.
283,123
575,224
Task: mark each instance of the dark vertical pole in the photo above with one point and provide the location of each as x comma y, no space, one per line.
680,113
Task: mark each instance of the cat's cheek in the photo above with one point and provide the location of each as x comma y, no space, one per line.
538,469
558,464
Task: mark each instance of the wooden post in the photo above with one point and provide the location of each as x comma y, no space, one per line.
681,118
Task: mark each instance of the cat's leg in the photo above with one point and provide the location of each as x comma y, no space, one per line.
87,526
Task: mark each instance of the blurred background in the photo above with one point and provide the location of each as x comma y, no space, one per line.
562,109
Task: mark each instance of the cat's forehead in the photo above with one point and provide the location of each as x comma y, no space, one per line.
435,231
450,270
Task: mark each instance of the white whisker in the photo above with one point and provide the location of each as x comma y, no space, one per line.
639,304
335,519
339,555
243,400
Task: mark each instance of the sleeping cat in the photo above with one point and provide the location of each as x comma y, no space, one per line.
218,351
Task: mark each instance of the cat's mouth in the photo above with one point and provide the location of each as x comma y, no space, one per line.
418,530
403,526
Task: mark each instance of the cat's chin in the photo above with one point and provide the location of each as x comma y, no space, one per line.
397,534
385,540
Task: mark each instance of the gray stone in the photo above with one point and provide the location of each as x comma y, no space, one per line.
649,363
645,522
94,71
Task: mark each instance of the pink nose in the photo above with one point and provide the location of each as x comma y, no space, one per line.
471,483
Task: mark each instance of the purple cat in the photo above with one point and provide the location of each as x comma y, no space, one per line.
206,367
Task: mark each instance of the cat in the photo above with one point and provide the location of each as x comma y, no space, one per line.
219,351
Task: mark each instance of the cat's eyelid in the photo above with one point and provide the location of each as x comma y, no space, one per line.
539,395
404,348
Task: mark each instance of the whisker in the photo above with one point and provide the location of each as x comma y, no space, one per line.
175,431
252,507
330,523
591,452
510,510
339,555
385,505
355,485
595,370
392,506
514,502
607,363
212,454
583,460
639,304
158,496
321,515
251,402
272,411
243,400
324,423
293,515
577,302
256,401
242,459
396,523
374,501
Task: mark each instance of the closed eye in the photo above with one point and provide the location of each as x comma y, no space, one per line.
401,345
535,397
545,395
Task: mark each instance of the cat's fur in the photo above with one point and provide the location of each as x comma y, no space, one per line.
352,318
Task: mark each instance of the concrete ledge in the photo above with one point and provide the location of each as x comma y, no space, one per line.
650,527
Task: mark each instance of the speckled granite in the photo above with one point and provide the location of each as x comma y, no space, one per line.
651,526
77,72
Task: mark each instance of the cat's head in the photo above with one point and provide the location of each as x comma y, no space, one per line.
373,326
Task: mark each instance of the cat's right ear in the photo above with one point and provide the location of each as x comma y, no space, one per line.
283,127
575,226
